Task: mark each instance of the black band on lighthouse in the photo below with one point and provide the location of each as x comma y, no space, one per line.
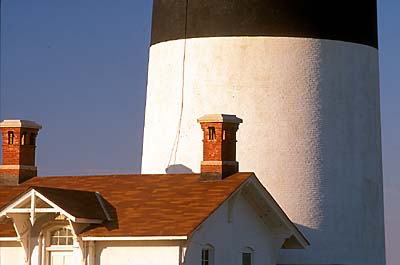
345,20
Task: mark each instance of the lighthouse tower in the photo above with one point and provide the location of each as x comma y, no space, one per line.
303,76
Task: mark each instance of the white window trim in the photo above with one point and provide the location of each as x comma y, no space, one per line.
211,258
48,248
250,251
60,248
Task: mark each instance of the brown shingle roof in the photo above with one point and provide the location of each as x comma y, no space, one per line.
7,229
145,205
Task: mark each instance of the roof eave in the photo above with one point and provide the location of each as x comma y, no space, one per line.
29,193
9,239
135,238
297,240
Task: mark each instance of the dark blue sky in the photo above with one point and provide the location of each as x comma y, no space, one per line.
79,68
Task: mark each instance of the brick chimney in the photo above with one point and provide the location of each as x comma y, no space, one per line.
19,143
219,146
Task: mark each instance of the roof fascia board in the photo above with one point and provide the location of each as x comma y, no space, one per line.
70,216
135,238
229,198
55,208
37,210
88,221
100,199
9,239
278,211
18,200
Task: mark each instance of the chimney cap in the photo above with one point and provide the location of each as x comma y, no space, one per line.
220,118
20,124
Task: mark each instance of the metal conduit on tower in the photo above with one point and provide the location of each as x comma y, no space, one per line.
304,77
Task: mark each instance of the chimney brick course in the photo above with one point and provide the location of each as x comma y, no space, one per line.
219,146
19,144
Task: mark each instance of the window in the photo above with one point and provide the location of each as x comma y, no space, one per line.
59,246
207,255
23,138
211,133
32,139
247,256
10,137
61,237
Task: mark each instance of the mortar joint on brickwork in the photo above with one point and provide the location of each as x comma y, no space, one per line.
219,146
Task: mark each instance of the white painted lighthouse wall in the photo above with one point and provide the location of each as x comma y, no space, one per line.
229,239
137,252
11,253
311,130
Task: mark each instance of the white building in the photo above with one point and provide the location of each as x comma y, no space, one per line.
219,216
304,75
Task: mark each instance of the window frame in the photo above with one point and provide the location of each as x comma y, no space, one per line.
23,138
210,259
48,248
69,235
248,250
212,133
11,137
